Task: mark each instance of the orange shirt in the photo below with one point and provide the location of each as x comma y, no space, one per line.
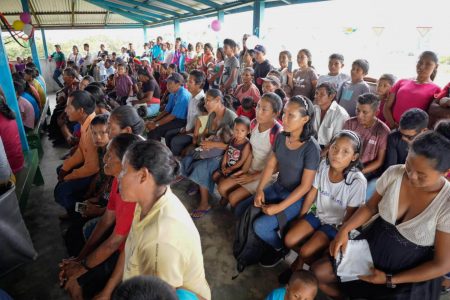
85,156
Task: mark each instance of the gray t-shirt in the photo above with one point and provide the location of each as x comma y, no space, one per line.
333,198
302,81
348,95
230,64
291,163
227,120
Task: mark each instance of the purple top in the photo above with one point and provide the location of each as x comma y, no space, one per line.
123,85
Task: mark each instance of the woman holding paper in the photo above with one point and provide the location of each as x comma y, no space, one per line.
409,241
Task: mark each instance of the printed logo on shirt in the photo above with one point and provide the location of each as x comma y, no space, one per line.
373,142
331,197
347,95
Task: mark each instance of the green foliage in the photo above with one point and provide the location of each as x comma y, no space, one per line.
444,60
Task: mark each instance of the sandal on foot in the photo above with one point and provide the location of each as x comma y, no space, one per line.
198,213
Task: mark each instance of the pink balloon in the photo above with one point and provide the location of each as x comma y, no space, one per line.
25,17
215,25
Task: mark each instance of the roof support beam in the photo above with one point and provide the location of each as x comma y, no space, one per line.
73,12
145,34
151,7
180,6
44,43
209,3
107,17
221,18
258,16
117,11
34,13
148,15
176,28
32,41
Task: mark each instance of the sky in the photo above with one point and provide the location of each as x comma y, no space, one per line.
385,32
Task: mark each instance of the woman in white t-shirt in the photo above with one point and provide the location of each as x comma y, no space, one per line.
264,130
75,56
339,188
409,241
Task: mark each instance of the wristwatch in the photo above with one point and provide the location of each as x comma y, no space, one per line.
83,263
389,282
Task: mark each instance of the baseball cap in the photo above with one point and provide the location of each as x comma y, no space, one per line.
146,59
260,48
176,77
273,79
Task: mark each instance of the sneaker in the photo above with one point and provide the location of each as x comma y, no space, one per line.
272,258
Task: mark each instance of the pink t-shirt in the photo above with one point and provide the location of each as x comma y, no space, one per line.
410,94
11,141
252,92
27,112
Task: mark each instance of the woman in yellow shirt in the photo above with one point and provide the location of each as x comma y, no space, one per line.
163,240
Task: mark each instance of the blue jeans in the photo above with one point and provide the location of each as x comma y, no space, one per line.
68,192
266,227
56,75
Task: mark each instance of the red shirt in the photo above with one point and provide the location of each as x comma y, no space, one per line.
9,132
124,211
251,114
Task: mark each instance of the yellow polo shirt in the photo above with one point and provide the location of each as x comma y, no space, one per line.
166,244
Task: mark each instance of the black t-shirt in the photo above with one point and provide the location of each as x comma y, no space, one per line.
261,70
102,52
150,86
396,151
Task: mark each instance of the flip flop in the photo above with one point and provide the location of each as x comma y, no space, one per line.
198,213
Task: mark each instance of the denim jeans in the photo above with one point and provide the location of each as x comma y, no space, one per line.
68,192
56,75
266,227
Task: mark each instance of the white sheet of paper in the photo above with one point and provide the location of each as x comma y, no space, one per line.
356,261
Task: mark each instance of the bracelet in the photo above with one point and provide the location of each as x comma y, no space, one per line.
83,264
389,283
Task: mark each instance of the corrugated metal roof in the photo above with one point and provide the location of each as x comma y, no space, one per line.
118,19
135,13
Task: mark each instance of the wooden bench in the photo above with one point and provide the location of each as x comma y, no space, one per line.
34,137
29,175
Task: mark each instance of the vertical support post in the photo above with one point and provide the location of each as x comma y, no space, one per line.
44,43
258,16
34,53
176,28
221,18
145,34
7,85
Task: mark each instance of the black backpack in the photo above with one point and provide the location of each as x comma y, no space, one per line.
248,248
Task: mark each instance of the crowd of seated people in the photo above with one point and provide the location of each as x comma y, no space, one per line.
314,151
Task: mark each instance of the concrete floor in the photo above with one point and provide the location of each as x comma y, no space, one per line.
38,280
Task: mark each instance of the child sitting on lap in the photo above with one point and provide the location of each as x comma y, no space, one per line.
238,150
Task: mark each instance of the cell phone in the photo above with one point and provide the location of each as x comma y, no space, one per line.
80,207
290,66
